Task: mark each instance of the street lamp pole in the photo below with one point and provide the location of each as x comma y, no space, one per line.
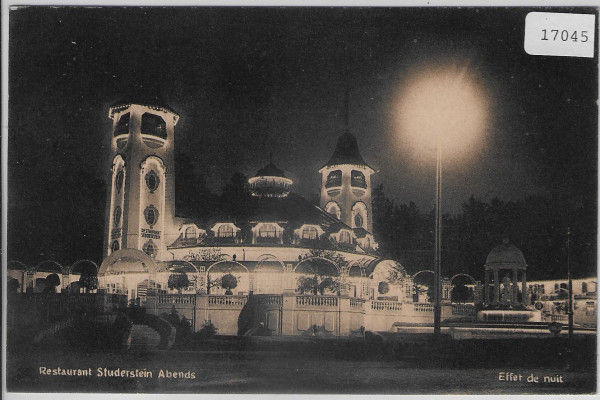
437,256
570,287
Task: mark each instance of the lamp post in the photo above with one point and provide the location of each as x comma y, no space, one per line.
446,106
437,256
570,302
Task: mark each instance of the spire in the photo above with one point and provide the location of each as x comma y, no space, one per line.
347,107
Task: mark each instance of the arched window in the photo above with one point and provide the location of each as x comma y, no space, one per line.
310,232
154,125
190,233
357,179
334,179
368,242
114,246
358,221
333,209
119,180
344,237
225,231
584,287
267,231
117,216
122,126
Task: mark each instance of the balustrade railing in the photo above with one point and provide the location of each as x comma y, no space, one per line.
270,300
380,305
318,301
423,307
463,309
177,298
556,318
356,303
227,300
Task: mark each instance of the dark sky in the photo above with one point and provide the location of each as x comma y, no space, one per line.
250,81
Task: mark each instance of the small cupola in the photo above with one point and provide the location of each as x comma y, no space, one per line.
270,181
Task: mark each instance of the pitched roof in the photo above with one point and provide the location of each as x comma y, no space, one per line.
346,152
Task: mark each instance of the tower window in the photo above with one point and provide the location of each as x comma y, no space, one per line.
151,215
154,125
357,179
310,232
344,237
190,232
225,231
152,180
358,221
333,210
122,126
334,179
119,180
117,216
114,246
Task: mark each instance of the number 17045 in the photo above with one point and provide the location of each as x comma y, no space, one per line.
564,35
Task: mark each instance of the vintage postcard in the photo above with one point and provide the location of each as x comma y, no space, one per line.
301,200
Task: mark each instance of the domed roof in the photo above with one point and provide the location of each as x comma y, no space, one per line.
505,253
270,170
144,95
270,181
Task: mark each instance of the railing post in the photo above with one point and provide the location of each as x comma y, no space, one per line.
288,304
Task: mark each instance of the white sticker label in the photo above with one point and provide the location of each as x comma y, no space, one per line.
560,34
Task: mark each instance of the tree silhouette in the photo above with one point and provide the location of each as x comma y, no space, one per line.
178,281
229,282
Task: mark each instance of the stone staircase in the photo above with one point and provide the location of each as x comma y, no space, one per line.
143,338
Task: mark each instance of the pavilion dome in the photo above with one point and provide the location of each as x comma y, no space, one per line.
270,181
505,254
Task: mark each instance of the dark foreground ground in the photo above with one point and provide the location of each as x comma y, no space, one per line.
268,365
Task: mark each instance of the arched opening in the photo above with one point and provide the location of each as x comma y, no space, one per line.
46,276
333,209
227,277
123,270
317,275
83,276
269,276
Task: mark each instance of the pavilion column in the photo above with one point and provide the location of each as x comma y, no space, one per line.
515,287
524,289
487,287
496,287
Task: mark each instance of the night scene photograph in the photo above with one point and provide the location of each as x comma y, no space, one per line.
301,200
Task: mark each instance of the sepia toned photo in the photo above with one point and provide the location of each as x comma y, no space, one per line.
301,200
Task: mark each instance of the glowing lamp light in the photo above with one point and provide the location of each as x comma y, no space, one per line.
444,103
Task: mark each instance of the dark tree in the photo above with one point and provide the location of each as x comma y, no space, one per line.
308,285
178,281
383,287
229,282
330,284
235,198
193,198
52,281
461,294
88,281
12,285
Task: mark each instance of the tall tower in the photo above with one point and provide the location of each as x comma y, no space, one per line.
141,201
346,185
